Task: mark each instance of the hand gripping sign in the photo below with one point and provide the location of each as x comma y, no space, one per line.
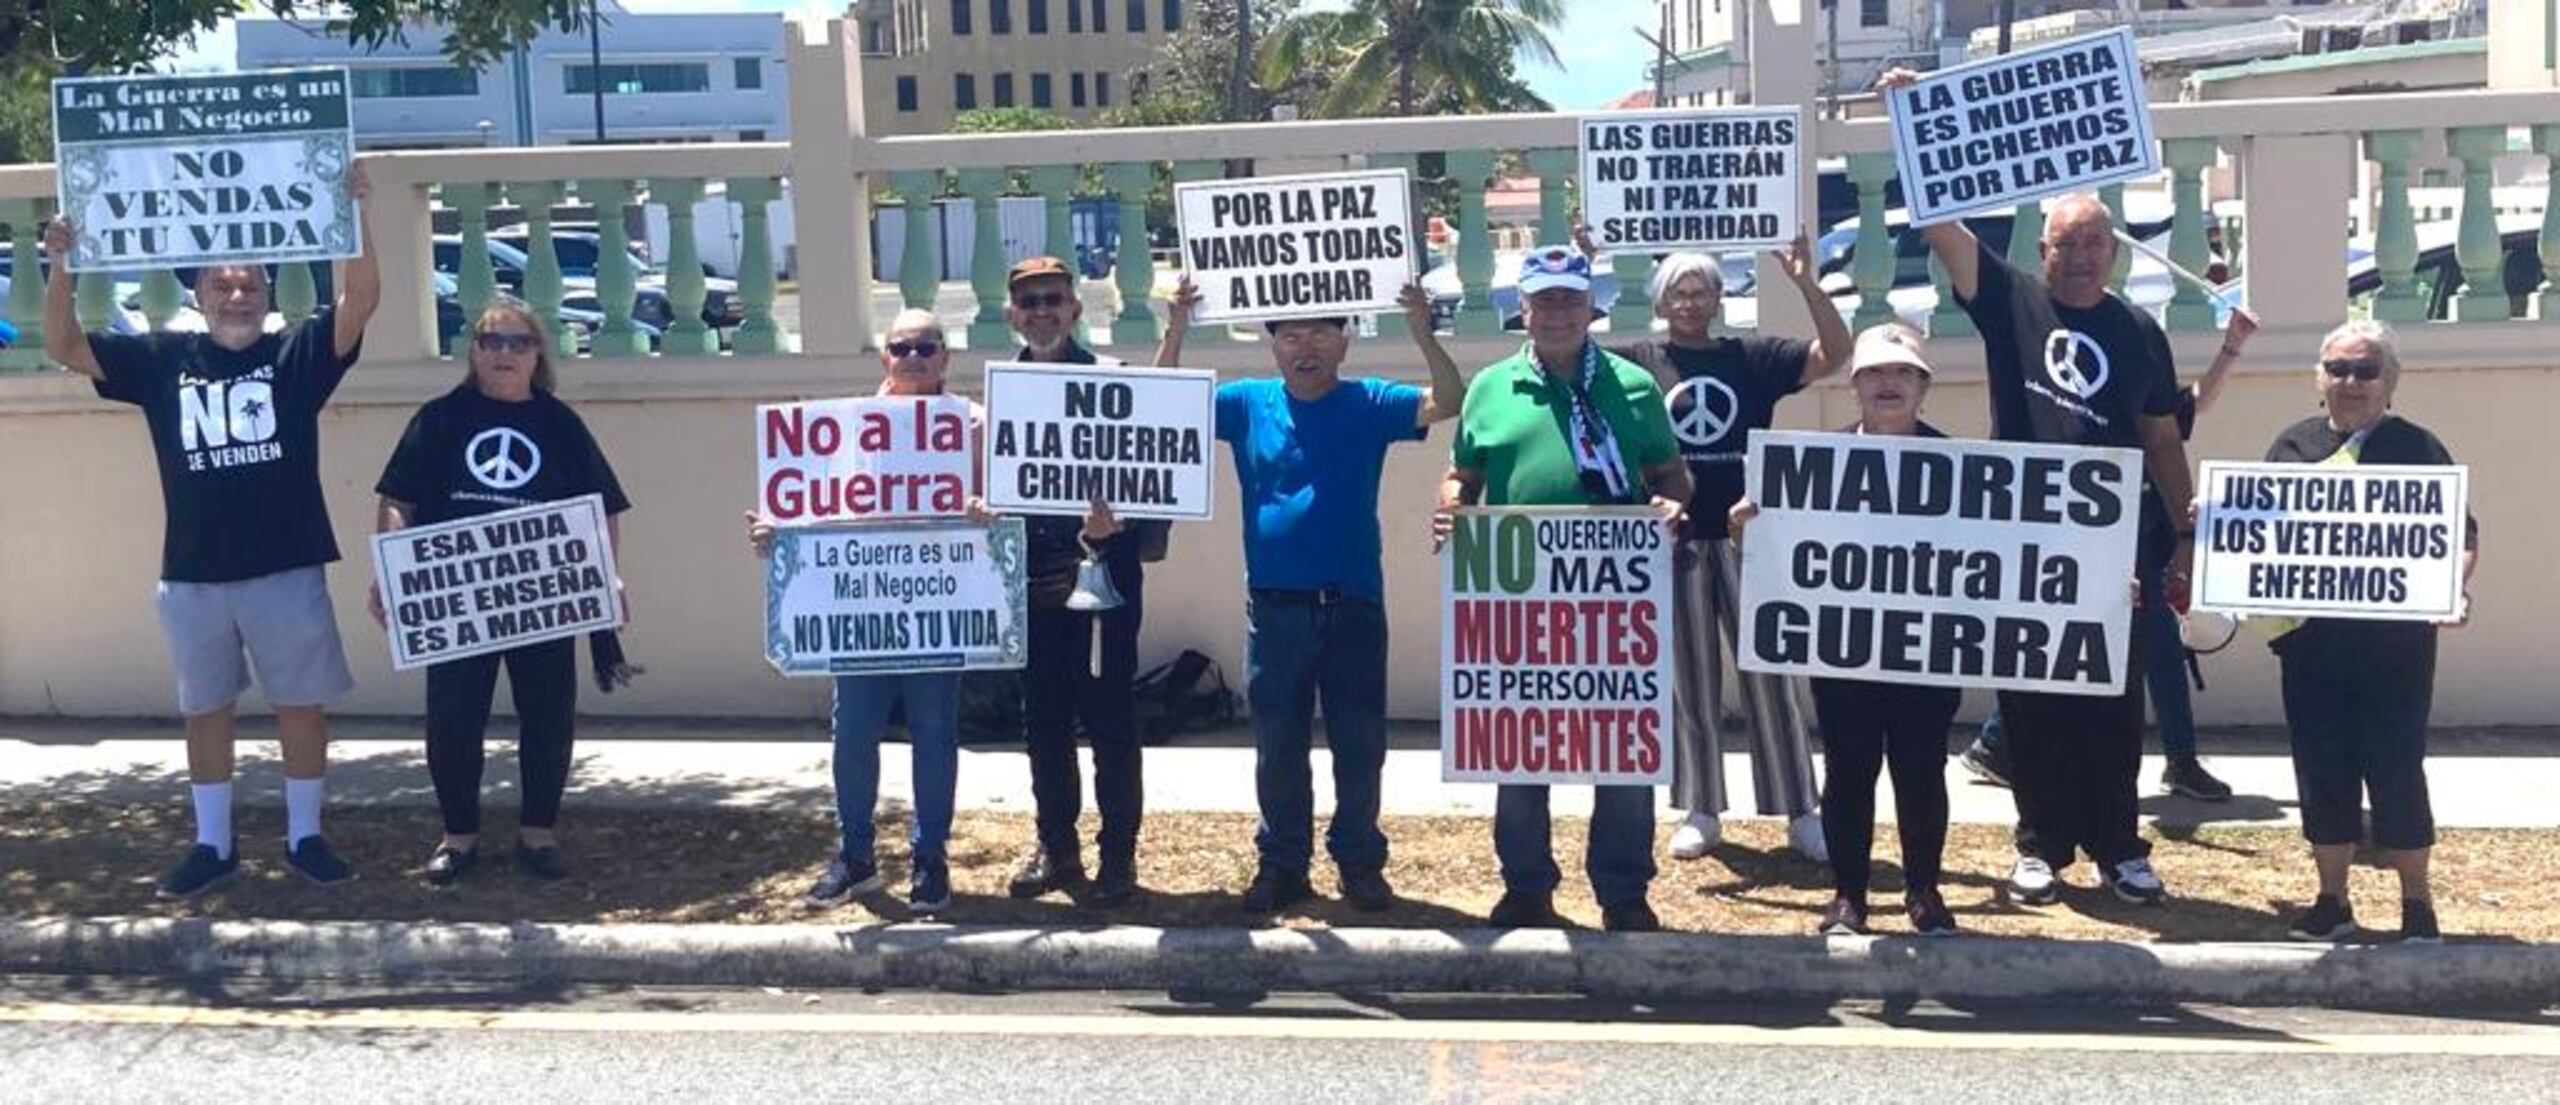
1297,246
1991,134
496,581
1060,437
1691,179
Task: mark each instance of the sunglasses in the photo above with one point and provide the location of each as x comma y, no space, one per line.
914,348
1041,301
2361,370
507,343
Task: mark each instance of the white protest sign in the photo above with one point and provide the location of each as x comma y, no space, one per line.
1991,134
161,172
1555,647
1691,179
1938,562
839,460
887,597
497,581
1297,246
2309,540
1061,436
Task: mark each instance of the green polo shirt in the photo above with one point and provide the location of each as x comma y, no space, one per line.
1515,429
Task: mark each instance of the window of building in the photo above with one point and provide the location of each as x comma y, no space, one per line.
959,17
1137,15
1172,16
640,78
1075,90
1101,8
413,82
1004,90
750,134
1036,16
964,91
749,72
906,94
1872,13
1075,17
999,17
1041,94
1102,90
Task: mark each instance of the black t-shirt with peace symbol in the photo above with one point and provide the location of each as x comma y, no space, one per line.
2067,375
1716,396
465,454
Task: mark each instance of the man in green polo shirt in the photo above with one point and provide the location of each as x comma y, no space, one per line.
1565,422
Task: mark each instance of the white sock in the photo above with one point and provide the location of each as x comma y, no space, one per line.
302,809
213,816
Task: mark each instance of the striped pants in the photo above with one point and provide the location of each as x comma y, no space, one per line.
1706,603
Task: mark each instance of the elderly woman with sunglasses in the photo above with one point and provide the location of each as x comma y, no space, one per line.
500,440
2357,691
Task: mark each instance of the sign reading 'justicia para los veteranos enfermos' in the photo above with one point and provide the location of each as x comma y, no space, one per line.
168,171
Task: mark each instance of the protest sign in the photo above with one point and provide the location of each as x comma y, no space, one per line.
1297,246
1555,647
1691,179
248,168
1061,436
1991,134
895,597
1938,562
497,581
837,460
2306,540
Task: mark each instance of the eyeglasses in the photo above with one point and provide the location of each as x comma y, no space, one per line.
2343,369
507,343
1041,300
914,348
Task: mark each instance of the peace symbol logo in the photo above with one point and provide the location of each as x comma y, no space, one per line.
2075,363
502,459
1703,410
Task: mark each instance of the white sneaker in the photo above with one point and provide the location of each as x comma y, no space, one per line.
2032,881
1804,835
2134,881
1696,836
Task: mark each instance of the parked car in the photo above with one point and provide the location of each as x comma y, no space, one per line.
721,308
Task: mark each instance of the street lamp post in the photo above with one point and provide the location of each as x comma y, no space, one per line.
595,65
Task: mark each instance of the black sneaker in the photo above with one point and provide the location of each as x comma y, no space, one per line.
1522,910
1367,891
543,862
2328,919
313,859
2418,922
1635,916
450,864
1929,913
1986,763
843,880
1843,917
1117,883
198,871
1041,873
1274,890
929,890
2186,777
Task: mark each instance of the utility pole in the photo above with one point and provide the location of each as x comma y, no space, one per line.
2008,15
1661,65
595,65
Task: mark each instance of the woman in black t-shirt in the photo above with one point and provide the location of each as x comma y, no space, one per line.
2357,691
500,440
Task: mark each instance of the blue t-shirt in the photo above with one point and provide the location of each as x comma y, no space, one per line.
1309,472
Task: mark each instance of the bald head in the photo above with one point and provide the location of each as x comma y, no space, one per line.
2079,249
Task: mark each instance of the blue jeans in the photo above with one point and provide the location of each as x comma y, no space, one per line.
1620,859
933,728
2172,707
1299,652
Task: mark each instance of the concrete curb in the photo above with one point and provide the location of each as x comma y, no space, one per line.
1649,967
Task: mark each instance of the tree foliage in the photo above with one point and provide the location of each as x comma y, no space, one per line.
997,120
1408,57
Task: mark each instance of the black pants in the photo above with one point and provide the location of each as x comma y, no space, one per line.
1061,685
1864,727
544,680
2077,766
2356,703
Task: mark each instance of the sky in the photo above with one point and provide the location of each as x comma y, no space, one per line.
1603,58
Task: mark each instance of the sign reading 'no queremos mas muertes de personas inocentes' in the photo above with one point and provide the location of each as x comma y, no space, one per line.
1691,179
1297,246
1938,562
1991,134
1060,437
2313,540
496,581
1555,647
193,170
890,456
879,597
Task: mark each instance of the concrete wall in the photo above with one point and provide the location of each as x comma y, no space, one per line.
80,526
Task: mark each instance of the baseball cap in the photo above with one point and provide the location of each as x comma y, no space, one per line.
1890,343
1036,268
1554,267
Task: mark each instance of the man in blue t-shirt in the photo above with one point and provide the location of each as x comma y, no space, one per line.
1309,446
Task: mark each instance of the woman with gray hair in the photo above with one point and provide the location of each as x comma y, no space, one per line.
1718,390
2357,690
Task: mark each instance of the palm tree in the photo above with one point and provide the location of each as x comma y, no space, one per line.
1414,53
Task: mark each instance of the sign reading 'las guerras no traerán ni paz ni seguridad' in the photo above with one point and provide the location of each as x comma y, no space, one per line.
1991,134
162,172
497,581
1278,247
1691,179
2308,540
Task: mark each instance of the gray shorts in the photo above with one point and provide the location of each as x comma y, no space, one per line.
282,623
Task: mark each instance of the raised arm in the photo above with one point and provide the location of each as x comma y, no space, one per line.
1177,321
1448,388
2235,336
359,277
63,341
1955,246
1831,338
